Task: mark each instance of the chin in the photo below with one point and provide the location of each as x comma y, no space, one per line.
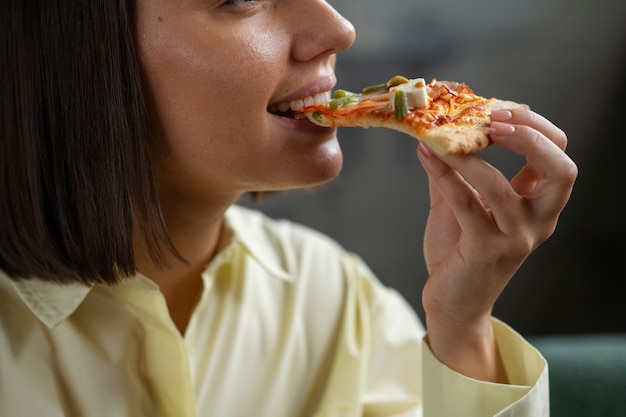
323,166
317,168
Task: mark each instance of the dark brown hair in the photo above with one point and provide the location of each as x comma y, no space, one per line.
75,174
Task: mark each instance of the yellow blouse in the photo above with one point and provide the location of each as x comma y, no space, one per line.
288,325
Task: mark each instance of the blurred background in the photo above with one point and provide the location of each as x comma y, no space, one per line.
567,60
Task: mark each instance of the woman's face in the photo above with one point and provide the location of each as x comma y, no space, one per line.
215,71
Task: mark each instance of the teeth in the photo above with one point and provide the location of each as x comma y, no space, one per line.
296,105
319,98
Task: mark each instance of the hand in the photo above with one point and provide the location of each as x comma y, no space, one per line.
481,228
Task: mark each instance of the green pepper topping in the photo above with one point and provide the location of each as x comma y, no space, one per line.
374,89
401,105
318,116
340,94
342,101
397,80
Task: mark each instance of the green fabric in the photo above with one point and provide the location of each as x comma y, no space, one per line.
587,374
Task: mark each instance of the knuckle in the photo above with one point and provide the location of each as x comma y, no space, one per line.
566,175
570,172
523,245
500,189
561,138
535,137
545,233
467,202
542,234
552,132
534,118
530,135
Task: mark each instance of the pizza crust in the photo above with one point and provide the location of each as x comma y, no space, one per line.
457,140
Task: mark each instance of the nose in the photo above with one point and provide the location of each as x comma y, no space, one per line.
320,30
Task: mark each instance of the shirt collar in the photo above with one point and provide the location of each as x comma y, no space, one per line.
52,302
250,229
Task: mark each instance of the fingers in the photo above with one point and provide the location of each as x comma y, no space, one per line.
502,120
477,192
549,172
448,186
525,182
480,196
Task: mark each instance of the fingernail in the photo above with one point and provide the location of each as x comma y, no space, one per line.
501,115
501,129
425,150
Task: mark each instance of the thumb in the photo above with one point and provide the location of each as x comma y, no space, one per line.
431,164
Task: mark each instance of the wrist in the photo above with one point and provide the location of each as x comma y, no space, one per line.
467,347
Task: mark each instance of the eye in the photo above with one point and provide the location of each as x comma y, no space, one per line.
239,3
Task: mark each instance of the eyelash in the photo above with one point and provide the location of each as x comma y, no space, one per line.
238,3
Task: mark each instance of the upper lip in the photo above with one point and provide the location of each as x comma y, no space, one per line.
320,84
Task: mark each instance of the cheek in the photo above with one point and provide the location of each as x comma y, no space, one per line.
208,92
267,50
248,74
210,86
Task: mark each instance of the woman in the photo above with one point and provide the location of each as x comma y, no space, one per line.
133,286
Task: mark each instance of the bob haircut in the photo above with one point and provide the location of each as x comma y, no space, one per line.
76,179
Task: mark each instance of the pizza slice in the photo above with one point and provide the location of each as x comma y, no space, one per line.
446,115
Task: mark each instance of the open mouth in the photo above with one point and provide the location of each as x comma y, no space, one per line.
288,109
290,114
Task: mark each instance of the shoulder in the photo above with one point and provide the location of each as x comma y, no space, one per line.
284,236
314,262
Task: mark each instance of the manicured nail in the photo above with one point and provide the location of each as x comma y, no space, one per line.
501,129
425,150
501,115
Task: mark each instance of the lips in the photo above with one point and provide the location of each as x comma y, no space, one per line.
287,109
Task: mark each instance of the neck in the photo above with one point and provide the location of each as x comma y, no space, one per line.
198,241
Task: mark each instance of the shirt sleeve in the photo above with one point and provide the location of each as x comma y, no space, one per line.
405,379
447,393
